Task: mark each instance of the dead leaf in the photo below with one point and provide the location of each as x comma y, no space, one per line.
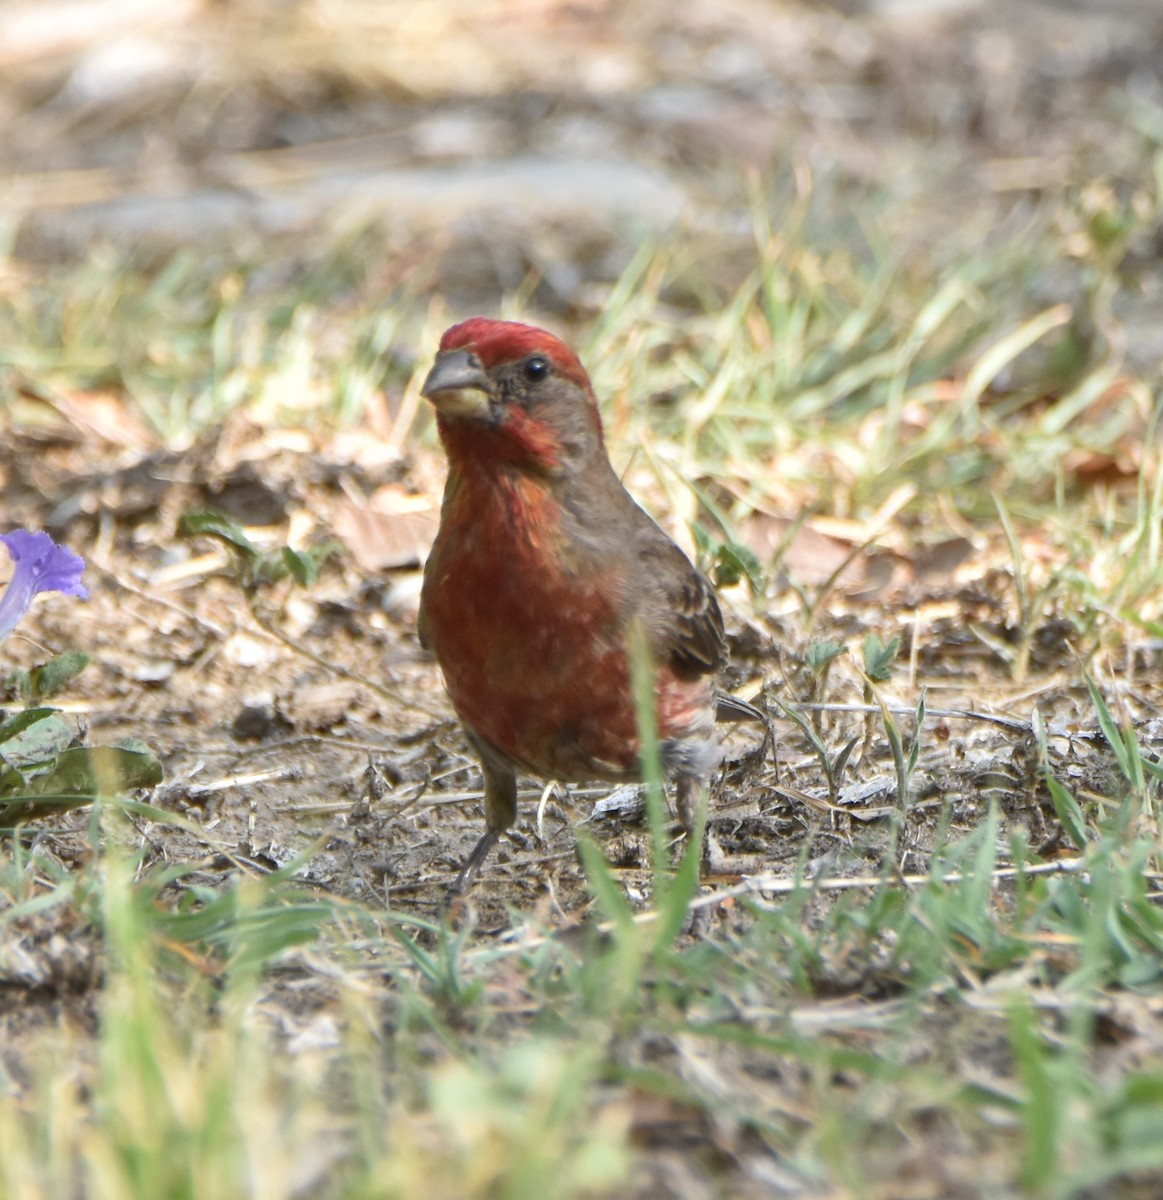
321,706
934,565
813,558
395,528
105,416
1094,467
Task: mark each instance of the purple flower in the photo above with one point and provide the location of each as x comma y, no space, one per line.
41,566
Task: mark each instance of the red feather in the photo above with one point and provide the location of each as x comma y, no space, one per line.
496,342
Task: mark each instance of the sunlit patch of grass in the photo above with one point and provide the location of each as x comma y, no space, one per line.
191,340
835,381
825,371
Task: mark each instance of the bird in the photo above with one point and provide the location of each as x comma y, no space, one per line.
542,569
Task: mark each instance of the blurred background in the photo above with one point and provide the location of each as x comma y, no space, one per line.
532,145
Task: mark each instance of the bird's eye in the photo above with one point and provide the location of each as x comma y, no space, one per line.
536,368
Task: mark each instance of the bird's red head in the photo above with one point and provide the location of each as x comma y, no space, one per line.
498,342
508,392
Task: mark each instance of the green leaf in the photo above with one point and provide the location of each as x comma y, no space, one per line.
14,725
1068,812
219,526
304,565
37,743
100,771
24,806
918,724
1109,727
802,723
303,569
734,562
893,733
50,677
878,656
11,784
820,654
1041,1101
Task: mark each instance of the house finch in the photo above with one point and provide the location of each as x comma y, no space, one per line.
542,566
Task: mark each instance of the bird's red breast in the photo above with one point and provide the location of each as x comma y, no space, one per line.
532,655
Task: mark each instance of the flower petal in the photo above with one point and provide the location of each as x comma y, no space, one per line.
41,566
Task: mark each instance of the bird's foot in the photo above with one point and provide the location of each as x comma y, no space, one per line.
471,868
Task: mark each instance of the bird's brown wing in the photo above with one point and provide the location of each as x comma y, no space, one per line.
675,602
681,611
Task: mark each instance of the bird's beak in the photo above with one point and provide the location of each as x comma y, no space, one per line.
457,385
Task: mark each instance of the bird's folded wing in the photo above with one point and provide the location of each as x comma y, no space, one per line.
687,629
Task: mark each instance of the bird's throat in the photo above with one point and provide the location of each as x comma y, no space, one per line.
514,439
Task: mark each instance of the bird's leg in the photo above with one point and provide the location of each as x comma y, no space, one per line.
473,864
500,811
690,801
